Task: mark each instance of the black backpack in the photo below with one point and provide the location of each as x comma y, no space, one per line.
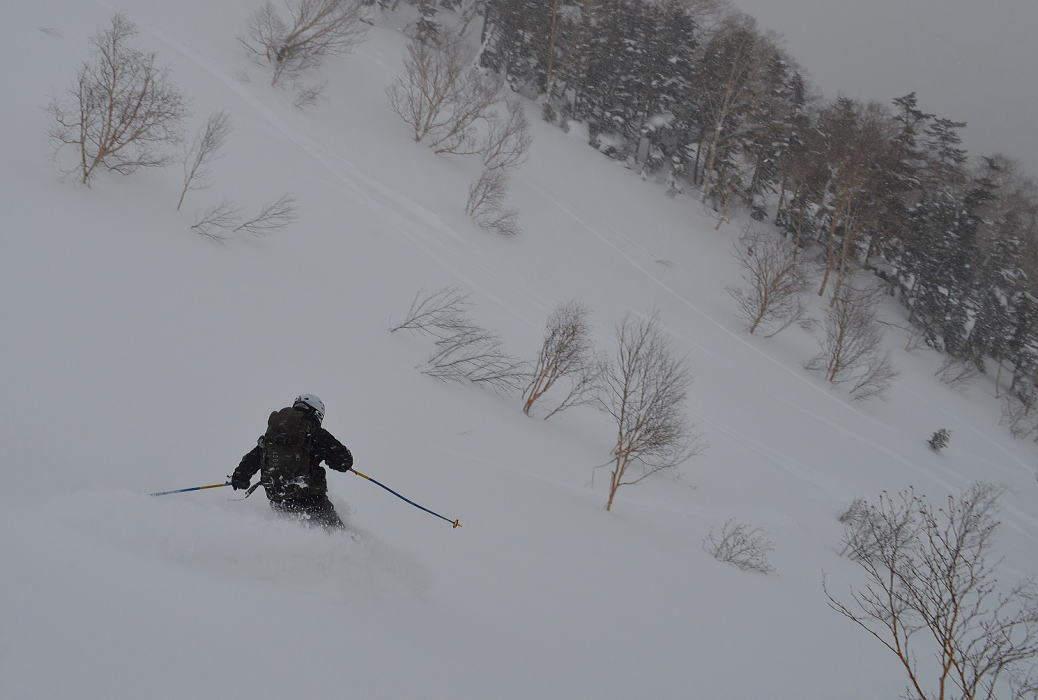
287,449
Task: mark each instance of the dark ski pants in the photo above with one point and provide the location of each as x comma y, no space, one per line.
312,511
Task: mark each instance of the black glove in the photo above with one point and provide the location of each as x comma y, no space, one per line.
239,482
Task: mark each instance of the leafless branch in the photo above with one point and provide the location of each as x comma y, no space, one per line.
218,221
476,355
442,313
464,350
272,217
915,335
202,152
956,374
1019,412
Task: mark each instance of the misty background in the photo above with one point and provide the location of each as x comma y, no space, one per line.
969,61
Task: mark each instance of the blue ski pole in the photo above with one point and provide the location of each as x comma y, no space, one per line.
454,523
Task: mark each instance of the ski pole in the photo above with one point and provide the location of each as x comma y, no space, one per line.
454,523
193,488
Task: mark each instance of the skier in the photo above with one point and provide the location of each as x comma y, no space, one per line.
288,457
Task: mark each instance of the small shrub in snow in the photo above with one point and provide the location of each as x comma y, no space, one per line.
939,440
742,546
308,95
858,537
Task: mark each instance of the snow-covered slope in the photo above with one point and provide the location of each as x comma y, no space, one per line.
137,356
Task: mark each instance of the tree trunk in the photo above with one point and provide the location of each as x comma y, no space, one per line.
549,72
829,254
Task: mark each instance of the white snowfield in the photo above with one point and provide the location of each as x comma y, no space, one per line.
138,356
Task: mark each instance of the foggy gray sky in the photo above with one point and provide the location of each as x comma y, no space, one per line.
969,60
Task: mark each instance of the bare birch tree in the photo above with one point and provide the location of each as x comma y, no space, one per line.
122,110
773,281
855,142
644,391
486,203
202,152
931,596
566,353
486,193
507,138
504,146
852,350
441,96
735,62
314,29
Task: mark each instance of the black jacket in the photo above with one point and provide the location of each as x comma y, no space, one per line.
325,448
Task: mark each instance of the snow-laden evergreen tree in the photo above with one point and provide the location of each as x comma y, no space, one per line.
1001,280
939,440
928,243
774,125
900,185
427,29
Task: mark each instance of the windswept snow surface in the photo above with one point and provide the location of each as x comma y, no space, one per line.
137,356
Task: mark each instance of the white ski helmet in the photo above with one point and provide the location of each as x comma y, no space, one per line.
311,402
